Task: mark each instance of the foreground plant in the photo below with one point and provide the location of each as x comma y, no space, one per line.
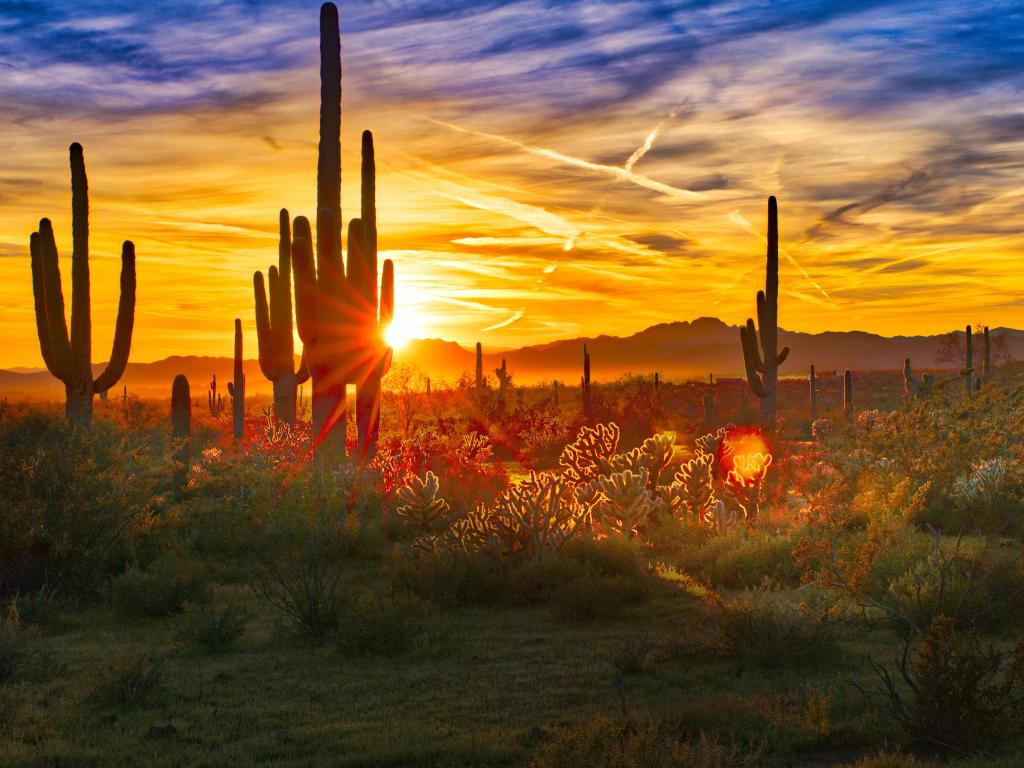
70,358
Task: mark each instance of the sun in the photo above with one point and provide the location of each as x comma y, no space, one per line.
403,328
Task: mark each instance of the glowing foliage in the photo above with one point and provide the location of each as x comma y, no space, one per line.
591,453
625,502
421,503
693,487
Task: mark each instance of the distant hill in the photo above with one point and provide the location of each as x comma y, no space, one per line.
677,350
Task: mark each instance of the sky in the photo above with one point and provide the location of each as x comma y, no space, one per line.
546,170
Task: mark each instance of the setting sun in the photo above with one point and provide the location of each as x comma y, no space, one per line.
404,327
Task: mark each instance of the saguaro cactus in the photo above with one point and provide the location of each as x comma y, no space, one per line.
504,379
375,312
847,393
987,364
70,358
274,332
969,364
479,366
763,370
214,401
813,385
236,388
585,384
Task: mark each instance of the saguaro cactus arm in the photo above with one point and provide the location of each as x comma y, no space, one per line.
125,322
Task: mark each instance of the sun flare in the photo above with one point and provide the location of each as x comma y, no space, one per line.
404,327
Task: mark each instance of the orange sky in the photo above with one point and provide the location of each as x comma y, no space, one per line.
515,217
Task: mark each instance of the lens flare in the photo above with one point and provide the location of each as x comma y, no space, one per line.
744,456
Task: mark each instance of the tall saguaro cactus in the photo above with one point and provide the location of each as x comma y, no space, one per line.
375,312
986,371
340,327
236,387
69,358
479,366
813,383
585,384
763,366
274,332
969,364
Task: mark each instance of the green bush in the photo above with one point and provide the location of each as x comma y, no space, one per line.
384,625
162,589
764,627
601,741
740,559
128,680
20,646
71,501
211,626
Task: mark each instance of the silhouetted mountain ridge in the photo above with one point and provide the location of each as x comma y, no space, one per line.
677,350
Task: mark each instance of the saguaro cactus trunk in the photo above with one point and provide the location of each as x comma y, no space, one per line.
274,329
763,369
847,393
969,364
181,418
479,366
987,364
69,358
813,384
585,384
236,387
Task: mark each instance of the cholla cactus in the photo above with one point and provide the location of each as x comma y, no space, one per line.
422,505
821,427
654,455
983,484
591,453
693,488
625,502
712,445
868,420
474,532
539,515
745,480
720,518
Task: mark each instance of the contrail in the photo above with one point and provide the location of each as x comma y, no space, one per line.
619,174
516,316
736,218
644,148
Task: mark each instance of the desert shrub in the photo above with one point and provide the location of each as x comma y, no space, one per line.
299,552
20,646
597,597
212,626
599,740
952,691
161,589
71,501
128,680
764,627
892,760
739,559
373,624
448,578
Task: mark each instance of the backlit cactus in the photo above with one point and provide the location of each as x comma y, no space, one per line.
421,504
504,380
69,358
236,388
762,366
181,424
338,319
479,366
274,332
214,402
986,373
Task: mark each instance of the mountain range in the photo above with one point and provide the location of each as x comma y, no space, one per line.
678,350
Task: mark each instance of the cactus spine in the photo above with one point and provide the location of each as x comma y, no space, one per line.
813,384
274,327
341,331
763,370
847,393
969,364
236,388
585,384
70,358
